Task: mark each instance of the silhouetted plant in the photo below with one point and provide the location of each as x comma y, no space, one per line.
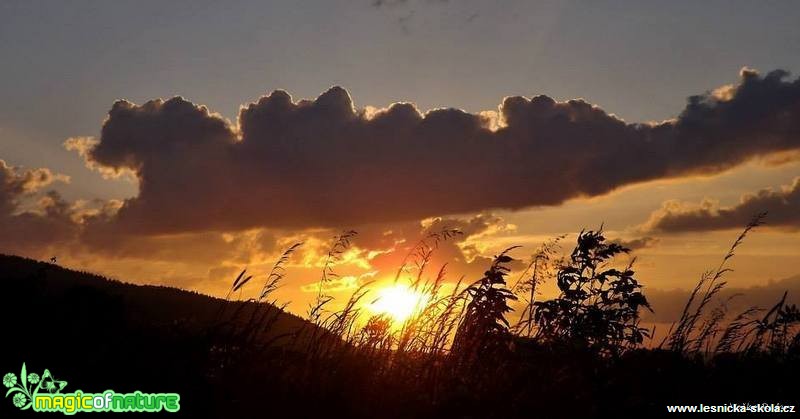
775,332
277,272
340,244
421,253
688,335
418,333
375,333
541,268
484,329
597,308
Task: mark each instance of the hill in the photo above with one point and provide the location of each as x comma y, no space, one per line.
98,333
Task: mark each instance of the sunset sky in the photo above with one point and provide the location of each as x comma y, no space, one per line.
177,143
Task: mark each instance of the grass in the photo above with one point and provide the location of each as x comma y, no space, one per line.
580,354
460,344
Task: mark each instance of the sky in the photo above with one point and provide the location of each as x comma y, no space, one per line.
406,127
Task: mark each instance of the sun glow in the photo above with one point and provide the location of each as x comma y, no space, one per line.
399,302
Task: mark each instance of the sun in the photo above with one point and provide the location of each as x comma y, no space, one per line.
399,302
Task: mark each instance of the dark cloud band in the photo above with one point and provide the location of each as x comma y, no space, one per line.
782,208
323,163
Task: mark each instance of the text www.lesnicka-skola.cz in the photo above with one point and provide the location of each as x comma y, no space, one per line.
733,408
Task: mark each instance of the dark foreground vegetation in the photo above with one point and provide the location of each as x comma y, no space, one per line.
582,354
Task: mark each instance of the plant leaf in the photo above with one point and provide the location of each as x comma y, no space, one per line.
239,278
241,284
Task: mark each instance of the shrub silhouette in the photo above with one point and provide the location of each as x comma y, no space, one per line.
598,308
484,328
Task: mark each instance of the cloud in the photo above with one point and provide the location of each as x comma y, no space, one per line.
477,233
340,284
782,207
27,223
378,251
17,183
387,3
323,163
82,146
638,243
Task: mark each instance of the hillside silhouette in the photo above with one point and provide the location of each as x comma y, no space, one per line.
95,331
